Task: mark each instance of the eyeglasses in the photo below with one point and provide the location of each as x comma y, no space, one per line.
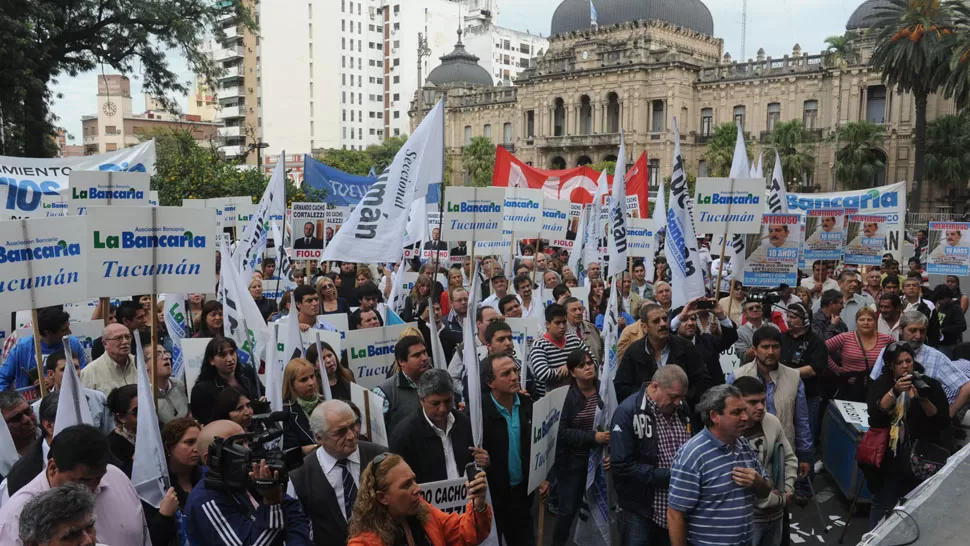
124,337
376,462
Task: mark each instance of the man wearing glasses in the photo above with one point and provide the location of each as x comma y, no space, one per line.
116,367
754,319
20,420
328,481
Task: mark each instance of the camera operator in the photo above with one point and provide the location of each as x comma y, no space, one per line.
686,322
221,511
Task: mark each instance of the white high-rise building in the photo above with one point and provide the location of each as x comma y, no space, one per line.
342,74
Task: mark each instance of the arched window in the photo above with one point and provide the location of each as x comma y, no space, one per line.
559,118
557,163
774,115
613,113
584,160
585,116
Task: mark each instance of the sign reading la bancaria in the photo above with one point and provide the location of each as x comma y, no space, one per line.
42,262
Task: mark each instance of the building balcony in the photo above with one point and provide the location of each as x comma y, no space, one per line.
229,53
509,147
578,141
813,135
701,139
232,32
231,92
229,112
233,72
230,131
233,151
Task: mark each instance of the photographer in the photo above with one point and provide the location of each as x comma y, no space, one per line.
220,510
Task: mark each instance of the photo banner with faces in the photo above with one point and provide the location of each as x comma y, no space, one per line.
334,220
949,247
824,234
866,239
96,188
772,255
308,229
473,214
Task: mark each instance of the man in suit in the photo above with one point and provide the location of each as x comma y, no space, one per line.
308,241
436,243
329,479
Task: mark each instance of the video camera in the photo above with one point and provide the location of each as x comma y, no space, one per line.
232,459
769,299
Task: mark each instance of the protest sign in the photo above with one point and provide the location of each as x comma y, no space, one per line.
555,219
308,230
137,250
450,496
42,262
854,413
371,407
640,234
545,430
273,289
522,211
734,205
772,256
193,354
338,321
824,234
244,213
153,198
96,188
949,247
473,214
493,248
866,236
86,332
370,352
333,220
309,337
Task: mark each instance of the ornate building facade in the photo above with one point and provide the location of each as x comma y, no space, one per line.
650,63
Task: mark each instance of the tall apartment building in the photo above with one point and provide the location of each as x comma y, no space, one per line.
237,90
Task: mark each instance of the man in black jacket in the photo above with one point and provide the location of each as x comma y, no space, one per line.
947,322
655,350
648,429
685,323
437,441
506,432
400,391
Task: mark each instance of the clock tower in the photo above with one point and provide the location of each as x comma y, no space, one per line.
114,106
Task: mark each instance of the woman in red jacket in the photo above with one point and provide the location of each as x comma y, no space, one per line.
391,510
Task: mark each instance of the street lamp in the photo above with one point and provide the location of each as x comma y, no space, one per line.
259,157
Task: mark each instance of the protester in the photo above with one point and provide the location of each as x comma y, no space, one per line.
220,369
550,351
338,375
686,324
596,291
266,306
873,285
54,365
733,303
368,297
500,289
802,350
912,300
459,309
953,283
827,321
123,404
753,320
59,516
53,324
582,328
180,441
890,311
622,317
330,303
300,397
400,390
210,323
531,306
947,321
819,282
853,354
510,306
891,285
484,316
116,367
328,482
33,461
231,404
173,401
416,301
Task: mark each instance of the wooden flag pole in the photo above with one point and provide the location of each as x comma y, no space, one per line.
720,270
154,345
542,519
40,356
104,306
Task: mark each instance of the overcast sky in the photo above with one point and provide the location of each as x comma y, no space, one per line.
775,25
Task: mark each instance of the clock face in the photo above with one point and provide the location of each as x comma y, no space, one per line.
586,55
109,108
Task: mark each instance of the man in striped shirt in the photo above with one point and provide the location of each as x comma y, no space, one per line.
715,477
550,351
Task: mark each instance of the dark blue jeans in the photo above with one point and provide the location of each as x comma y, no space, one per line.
640,531
572,487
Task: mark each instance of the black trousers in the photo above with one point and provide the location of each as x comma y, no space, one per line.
513,516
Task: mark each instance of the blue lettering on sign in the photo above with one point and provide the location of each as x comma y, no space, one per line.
59,250
782,253
956,251
123,167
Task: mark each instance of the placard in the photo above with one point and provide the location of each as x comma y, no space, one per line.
371,413
772,255
102,189
640,236
274,289
193,354
153,198
42,262
244,213
522,211
449,496
949,246
307,226
824,234
546,413
338,321
735,204
333,220
473,214
854,413
127,255
866,238
370,352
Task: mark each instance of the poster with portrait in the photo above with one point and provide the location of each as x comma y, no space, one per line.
772,255
334,219
866,236
824,234
949,247
307,227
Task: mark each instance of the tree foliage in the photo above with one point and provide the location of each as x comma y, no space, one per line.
841,50
360,162
948,151
788,140
478,158
608,166
720,149
858,161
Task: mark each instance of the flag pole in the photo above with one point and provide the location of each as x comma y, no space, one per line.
720,270
153,309
37,352
105,306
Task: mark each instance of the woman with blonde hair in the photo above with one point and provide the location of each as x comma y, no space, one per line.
391,510
417,300
300,397
330,303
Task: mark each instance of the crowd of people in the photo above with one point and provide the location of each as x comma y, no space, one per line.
700,453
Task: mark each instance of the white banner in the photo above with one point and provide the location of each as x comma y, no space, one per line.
96,188
473,214
737,202
681,244
522,211
371,407
772,255
334,219
370,352
640,234
127,255
27,183
308,230
252,241
42,262
949,246
545,431
616,238
556,221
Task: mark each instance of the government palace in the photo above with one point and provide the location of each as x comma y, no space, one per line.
650,61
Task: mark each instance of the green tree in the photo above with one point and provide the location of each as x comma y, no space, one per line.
47,39
478,158
910,35
356,162
381,155
608,166
957,49
720,149
841,50
948,151
788,140
858,162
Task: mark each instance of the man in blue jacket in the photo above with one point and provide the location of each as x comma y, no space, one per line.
648,429
53,323
222,513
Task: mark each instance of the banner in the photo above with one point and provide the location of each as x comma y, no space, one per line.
42,262
949,246
27,183
681,244
556,217
736,202
640,235
473,214
824,234
252,241
615,231
128,255
370,352
242,321
372,413
546,413
521,211
96,188
193,352
177,326
308,232
333,220
576,185
866,236
449,496
772,255
341,189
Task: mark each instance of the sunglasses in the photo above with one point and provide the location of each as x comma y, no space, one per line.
900,346
376,462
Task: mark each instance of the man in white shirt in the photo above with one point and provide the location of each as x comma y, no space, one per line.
890,310
500,289
819,281
531,307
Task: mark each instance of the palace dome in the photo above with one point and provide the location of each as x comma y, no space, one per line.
574,15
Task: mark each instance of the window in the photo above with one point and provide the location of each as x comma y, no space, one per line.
876,104
111,147
774,115
397,132
810,115
397,9
397,114
352,116
468,135
530,124
487,131
397,79
507,134
739,116
657,119
397,97
653,172
585,116
707,121
343,97
524,49
110,130
559,118
397,44
613,113
344,112
397,62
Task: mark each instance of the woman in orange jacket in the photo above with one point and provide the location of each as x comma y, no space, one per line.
390,510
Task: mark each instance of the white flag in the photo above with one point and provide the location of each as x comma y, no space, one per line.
687,279
417,230
759,171
739,169
777,193
470,359
437,350
616,238
579,243
324,378
8,451
284,267
290,347
72,404
397,297
176,323
376,228
249,251
149,471
659,221
594,225
242,322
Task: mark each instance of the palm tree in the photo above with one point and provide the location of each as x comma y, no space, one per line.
957,49
478,158
909,53
720,149
858,163
948,151
788,139
842,52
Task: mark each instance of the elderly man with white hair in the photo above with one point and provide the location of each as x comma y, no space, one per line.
327,482
116,367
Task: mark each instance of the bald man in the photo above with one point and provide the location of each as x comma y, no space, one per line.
116,367
219,515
